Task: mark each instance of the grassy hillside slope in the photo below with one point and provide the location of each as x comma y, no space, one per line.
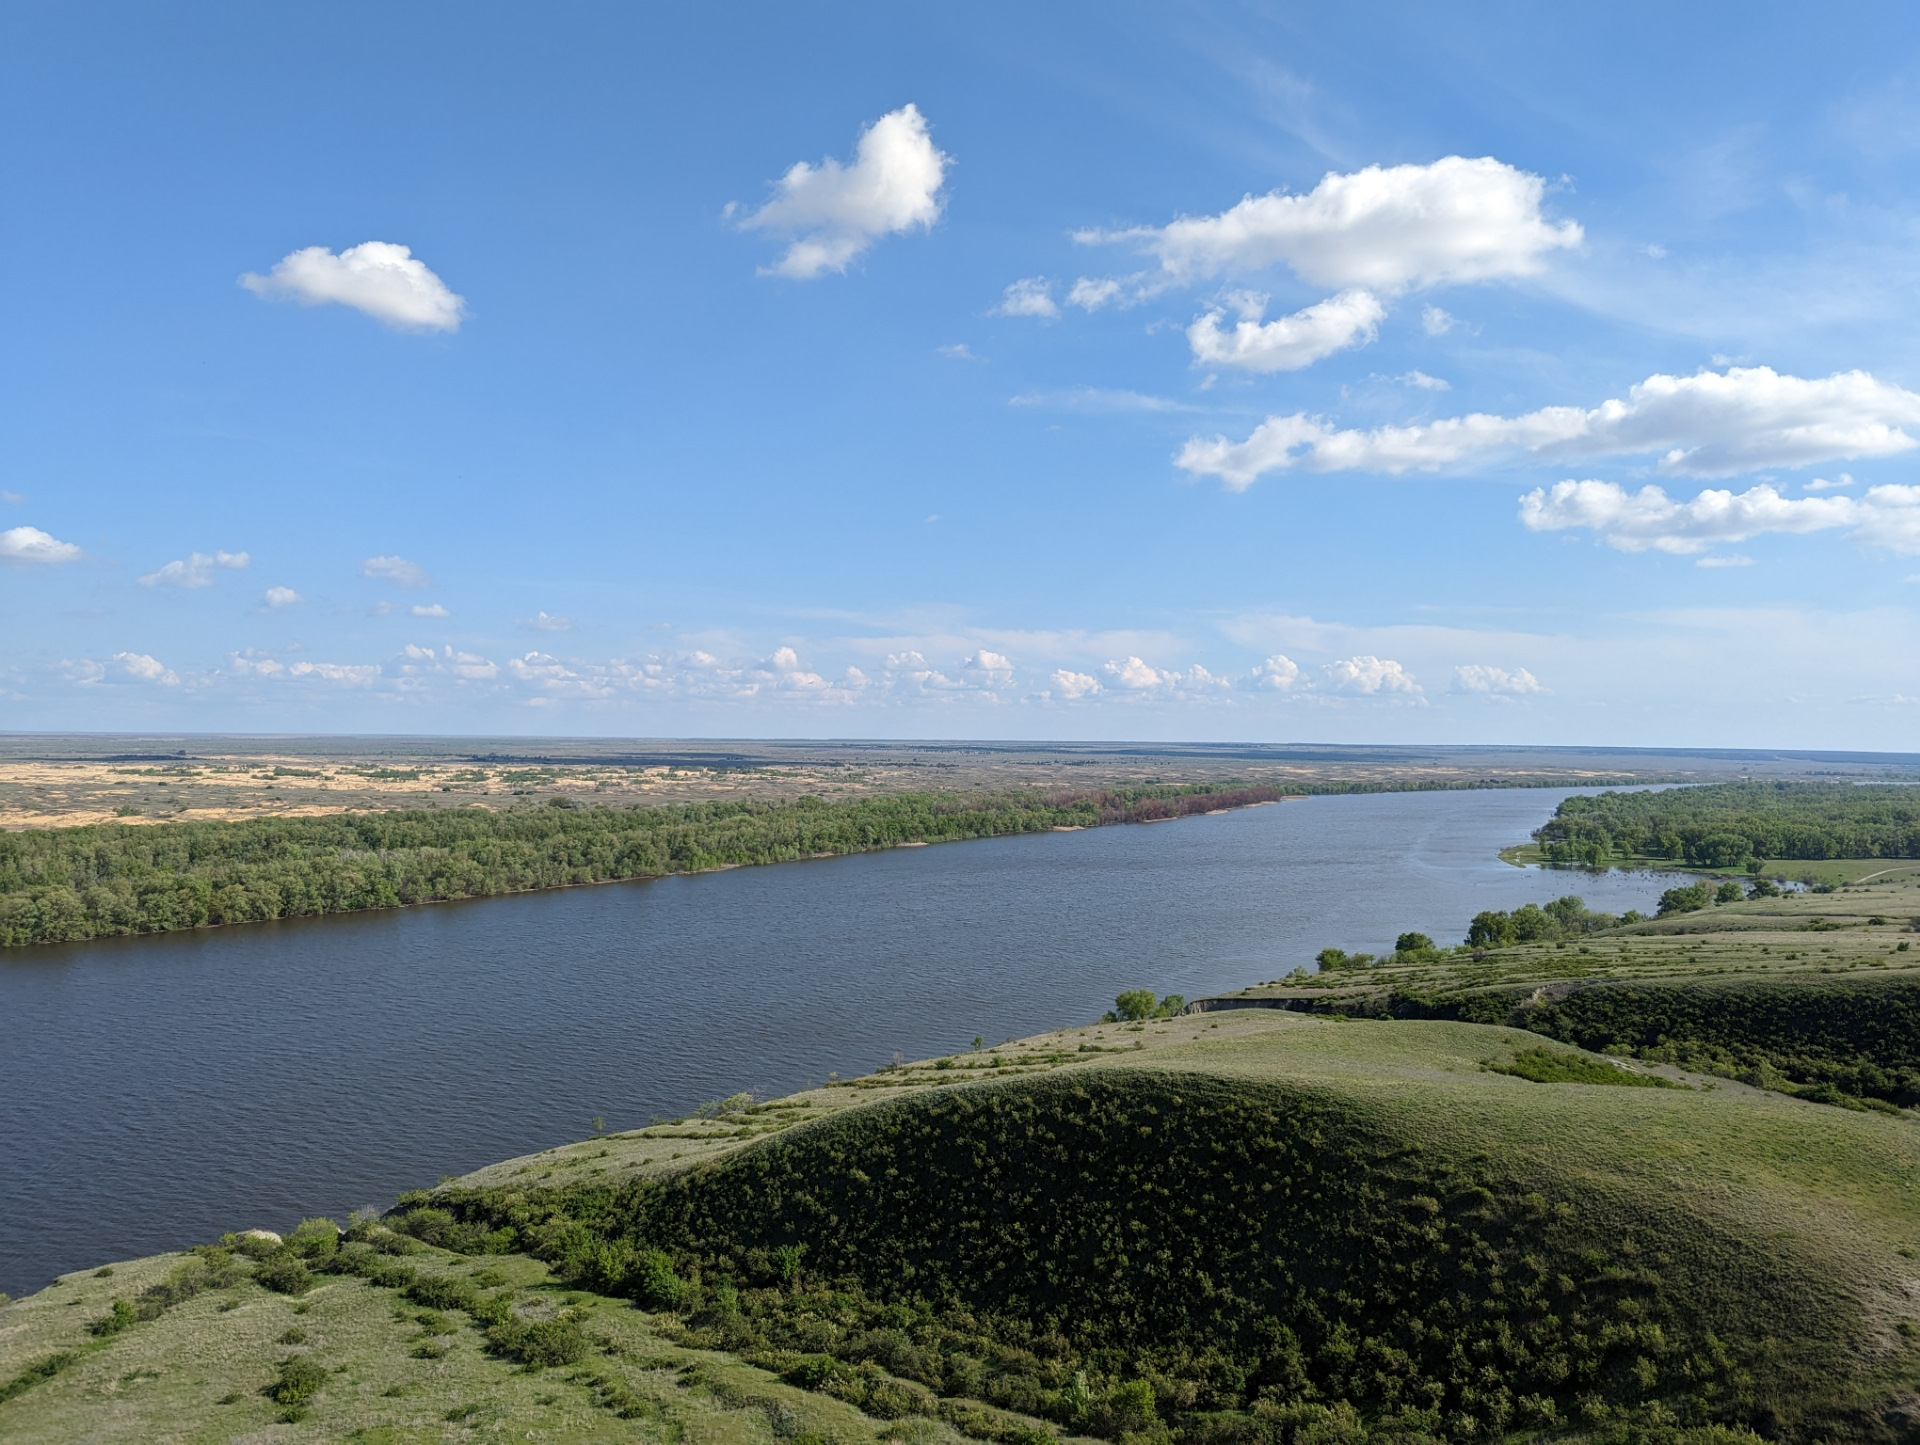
1255,1227
1263,1212
1815,994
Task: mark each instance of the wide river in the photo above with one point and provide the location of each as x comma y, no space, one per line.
160,1091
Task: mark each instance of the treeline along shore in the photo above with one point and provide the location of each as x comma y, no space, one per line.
63,885
1729,825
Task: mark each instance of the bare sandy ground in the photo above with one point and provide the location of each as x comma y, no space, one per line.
52,781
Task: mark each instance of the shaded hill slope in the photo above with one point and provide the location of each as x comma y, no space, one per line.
1348,1220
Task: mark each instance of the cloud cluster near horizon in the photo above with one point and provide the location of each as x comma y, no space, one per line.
983,675
833,213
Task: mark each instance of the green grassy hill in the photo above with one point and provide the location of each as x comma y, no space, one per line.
1301,1219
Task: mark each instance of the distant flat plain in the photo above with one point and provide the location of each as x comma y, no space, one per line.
64,780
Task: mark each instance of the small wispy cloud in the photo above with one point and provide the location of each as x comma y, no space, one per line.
397,570
545,622
196,569
959,351
1099,400
432,609
277,597
1496,681
1731,559
1029,296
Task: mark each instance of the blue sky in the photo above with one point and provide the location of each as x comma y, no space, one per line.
1365,373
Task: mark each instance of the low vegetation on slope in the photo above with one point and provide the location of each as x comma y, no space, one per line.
65,884
1269,1228
375,1339
1816,995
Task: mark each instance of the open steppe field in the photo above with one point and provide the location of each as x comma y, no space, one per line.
52,781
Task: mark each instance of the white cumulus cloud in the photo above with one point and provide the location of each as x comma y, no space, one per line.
433,609
195,570
1278,672
835,212
1484,678
397,570
1137,676
30,544
1074,685
142,668
1351,318
1369,675
1711,424
993,668
1387,229
1029,296
277,597
546,622
378,277
1885,516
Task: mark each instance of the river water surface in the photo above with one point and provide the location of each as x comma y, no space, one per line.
156,1092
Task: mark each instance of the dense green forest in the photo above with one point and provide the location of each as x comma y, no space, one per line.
66,884
1725,825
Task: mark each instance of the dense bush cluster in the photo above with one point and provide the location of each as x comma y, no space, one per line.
1855,1043
1567,917
1850,1042
1156,1257
65,884
1724,825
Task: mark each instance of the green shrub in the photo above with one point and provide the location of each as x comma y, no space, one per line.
1136,1004
444,1292
285,1272
120,1317
1566,917
300,1377
34,1374
1690,898
1557,1066
1330,959
653,1282
314,1239
540,1344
